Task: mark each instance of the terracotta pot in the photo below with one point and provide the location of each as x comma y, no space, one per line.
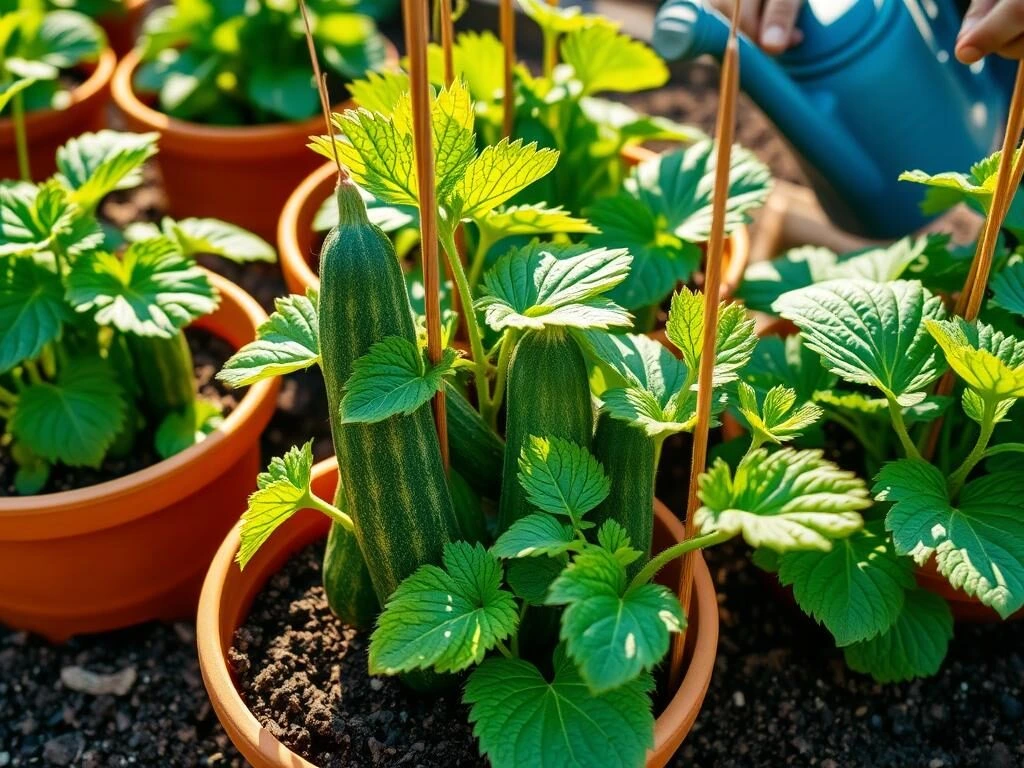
48,129
299,262
136,548
122,28
228,594
240,174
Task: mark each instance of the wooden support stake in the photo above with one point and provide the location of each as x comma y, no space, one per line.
417,23
321,87
507,23
448,41
724,130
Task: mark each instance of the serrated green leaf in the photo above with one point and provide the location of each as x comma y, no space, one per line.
35,219
183,429
604,59
444,619
545,285
478,59
534,535
614,538
914,646
287,341
380,91
32,310
988,361
561,477
634,127
287,93
640,407
559,20
219,238
788,500
519,716
73,420
630,359
536,219
1008,288
65,39
856,589
775,419
391,379
151,290
497,174
95,164
530,578
734,343
787,361
282,491
870,333
978,543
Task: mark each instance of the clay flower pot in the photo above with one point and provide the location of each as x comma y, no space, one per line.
136,548
299,262
48,129
122,27
240,174
228,594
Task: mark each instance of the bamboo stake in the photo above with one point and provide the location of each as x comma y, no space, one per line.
551,54
507,23
724,130
1008,178
321,87
448,41
417,23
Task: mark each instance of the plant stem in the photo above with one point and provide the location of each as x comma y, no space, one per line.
315,502
896,414
33,371
508,342
666,556
6,396
504,649
483,245
550,52
20,138
988,425
476,343
995,450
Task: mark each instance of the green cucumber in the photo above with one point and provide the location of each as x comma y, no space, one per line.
628,457
476,451
165,374
391,472
346,580
548,395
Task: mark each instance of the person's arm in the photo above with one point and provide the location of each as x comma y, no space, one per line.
769,23
992,26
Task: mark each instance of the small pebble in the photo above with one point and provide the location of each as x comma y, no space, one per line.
938,762
63,750
97,684
376,683
738,699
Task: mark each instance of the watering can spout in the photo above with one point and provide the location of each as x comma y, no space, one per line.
870,92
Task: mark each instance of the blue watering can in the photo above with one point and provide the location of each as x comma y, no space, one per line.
873,90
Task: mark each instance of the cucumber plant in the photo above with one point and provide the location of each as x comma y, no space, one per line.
93,360
239,63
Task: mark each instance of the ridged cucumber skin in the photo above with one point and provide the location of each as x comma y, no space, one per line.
468,509
548,395
165,374
628,457
476,451
391,471
346,580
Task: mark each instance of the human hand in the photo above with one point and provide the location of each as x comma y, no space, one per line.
991,26
770,23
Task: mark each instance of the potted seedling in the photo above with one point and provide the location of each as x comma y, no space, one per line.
120,19
118,479
920,402
227,87
55,71
606,188
546,610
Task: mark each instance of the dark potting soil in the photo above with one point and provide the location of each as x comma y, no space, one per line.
209,352
304,676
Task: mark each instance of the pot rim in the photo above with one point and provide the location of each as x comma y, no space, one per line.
298,271
101,75
57,515
670,727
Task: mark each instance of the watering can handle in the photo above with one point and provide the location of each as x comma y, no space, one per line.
685,29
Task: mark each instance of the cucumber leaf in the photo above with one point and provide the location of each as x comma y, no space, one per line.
35,219
287,341
32,310
517,715
380,92
870,333
988,361
614,538
631,359
659,417
856,589
64,39
543,285
532,536
530,578
613,632
557,20
1008,288
497,174
445,619
536,219
393,378
73,420
94,164
218,238
774,419
787,500
281,491
978,543
562,478
735,340
183,429
604,59
914,646
151,290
